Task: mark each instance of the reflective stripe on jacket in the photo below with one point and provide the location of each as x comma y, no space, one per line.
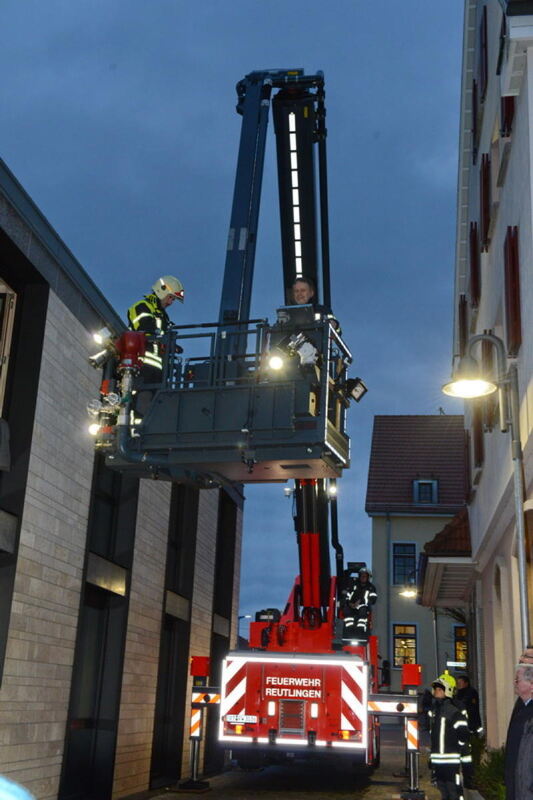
149,316
450,736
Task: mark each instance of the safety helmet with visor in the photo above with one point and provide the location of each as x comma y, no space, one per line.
169,286
446,682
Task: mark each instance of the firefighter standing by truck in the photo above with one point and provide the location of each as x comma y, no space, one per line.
359,597
450,739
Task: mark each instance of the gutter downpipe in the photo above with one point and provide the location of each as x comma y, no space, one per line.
388,528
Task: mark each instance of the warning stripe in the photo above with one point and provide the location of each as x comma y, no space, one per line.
392,707
233,673
196,723
353,677
352,708
411,730
236,696
200,698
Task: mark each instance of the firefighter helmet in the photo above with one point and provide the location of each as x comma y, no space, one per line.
169,285
446,682
366,570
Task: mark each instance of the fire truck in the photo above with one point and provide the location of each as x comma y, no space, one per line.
247,401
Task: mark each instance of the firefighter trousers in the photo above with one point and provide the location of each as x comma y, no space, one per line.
449,782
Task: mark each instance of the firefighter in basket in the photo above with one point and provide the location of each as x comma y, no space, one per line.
150,316
359,596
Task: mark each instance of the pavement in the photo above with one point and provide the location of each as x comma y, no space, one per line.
314,781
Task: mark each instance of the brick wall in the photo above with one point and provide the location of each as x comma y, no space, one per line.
35,690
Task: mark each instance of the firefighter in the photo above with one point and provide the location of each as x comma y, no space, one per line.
450,739
150,315
359,597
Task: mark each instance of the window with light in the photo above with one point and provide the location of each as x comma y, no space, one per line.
404,643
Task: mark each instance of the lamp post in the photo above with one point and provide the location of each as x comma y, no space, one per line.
409,591
468,384
241,616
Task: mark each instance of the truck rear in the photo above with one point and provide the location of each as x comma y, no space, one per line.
279,705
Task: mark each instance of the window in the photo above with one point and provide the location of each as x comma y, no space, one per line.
404,643
460,643
513,321
403,563
426,491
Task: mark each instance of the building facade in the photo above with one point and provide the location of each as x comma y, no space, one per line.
494,295
416,485
108,583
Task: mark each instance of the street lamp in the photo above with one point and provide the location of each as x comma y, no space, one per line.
464,385
241,616
409,591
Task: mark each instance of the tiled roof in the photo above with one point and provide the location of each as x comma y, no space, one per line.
453,539
416,447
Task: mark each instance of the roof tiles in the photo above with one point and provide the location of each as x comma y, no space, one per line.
416,447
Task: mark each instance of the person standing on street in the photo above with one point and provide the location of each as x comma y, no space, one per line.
449,739
520,737
469,697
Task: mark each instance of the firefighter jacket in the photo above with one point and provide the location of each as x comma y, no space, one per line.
148,315
450,736
362,594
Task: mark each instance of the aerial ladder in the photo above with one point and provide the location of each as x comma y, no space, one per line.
248,401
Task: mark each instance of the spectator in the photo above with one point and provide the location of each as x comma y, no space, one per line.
469,697
518,739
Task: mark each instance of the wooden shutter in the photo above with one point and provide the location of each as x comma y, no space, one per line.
483,64
462,316
501,48
468,467
507,109
475,123
484,200
513,319
475,266
490,403
478,444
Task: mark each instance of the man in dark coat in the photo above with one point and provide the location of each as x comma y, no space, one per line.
521,716
469,697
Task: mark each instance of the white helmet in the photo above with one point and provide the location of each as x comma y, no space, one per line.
168,284
446,682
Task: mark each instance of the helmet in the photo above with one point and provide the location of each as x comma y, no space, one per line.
366,571
446,682
168,284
